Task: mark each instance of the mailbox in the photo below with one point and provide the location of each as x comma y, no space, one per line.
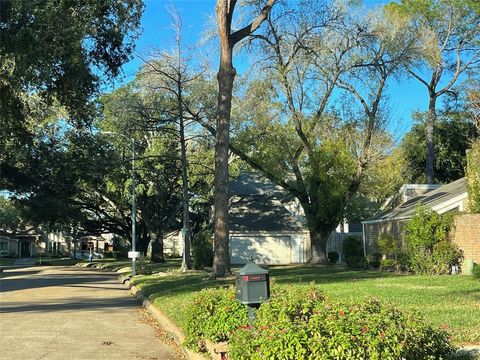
253,284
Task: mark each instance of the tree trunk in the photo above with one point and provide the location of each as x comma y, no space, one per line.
157,247
430,151
143,239
225,78
319,240
221,259
186,261
226,74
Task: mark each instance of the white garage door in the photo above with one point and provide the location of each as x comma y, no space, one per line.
263,249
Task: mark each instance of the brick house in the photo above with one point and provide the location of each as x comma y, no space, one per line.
449,197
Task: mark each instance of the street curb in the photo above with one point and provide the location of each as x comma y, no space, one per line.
162,319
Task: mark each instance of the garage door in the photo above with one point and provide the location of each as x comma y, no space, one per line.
263,249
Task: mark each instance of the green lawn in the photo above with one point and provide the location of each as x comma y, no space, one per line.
450,300
7,261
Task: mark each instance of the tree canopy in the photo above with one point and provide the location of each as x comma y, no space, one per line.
56,53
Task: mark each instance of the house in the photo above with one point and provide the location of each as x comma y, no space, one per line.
173,244
267,224
21,245
34,242
442,199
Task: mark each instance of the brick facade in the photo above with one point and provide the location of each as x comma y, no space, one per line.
467,236
373,231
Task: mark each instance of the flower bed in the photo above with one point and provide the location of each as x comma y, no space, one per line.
301,323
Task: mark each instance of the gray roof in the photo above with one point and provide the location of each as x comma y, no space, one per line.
255,184
431,199
260,213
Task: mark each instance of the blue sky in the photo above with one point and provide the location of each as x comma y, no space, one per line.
405,96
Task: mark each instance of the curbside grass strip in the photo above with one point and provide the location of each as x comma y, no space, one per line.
162,319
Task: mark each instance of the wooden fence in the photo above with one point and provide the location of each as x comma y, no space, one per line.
335,242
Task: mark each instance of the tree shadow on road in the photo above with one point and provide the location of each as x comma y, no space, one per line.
79,304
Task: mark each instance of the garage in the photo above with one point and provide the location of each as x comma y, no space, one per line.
272,250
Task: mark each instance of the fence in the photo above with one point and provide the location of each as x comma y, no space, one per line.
335,242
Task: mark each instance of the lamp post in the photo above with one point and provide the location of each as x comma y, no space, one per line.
133,254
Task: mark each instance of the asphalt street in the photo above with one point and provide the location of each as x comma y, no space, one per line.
73,313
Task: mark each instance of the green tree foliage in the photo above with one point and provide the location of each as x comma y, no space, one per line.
51,53
135,112
428,244
59,49
352,249
473,178
453,135
382,179
10,215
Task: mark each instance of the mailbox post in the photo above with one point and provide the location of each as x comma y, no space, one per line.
253,287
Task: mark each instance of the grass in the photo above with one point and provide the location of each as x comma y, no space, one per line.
55,261
7,261
142,266
450,301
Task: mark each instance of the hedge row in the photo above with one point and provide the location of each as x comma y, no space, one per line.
301,323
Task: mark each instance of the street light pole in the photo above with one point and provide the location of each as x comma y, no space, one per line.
134,195
134,209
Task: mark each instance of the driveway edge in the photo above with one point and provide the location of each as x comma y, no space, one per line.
162,319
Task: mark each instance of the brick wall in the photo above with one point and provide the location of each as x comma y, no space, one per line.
374,230
467,236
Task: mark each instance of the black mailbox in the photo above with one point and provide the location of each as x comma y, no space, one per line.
253,284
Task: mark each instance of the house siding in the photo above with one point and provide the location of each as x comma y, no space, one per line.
270,248
467,236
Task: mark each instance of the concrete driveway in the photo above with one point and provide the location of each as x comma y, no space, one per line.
73,313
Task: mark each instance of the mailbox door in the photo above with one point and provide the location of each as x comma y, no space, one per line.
257,292
257,286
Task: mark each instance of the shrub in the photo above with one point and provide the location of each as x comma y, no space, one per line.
301,323
112,254
333,257
387,245
202,250
374,260
306,325
213,314
121,246
352,249
476,271
427,243
388,264
445,255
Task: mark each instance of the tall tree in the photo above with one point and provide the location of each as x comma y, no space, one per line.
453,134
168,74
314,52
226,74
58,51
141,111
448,32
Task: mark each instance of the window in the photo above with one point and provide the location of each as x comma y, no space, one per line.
3,248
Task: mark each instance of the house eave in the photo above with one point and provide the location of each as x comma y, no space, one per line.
439,208
376,221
